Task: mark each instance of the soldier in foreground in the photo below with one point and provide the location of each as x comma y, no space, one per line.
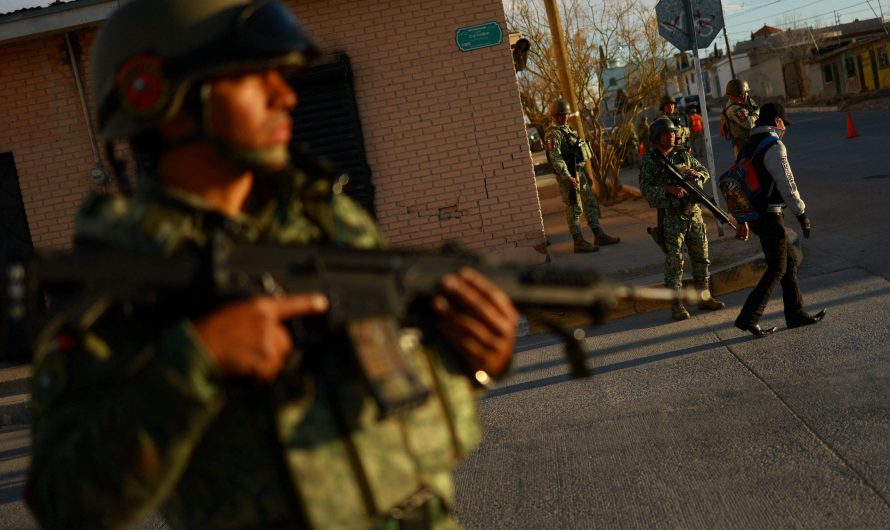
679,219
739,115
210,417
566,152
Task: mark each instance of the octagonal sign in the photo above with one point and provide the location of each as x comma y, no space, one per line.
707,19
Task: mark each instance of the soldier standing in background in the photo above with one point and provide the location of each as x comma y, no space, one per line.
566,152
668,109
679,219
739,115
223,415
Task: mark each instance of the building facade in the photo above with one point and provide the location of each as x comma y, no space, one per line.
434,98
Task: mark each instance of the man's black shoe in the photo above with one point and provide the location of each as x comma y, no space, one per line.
806,320
756,330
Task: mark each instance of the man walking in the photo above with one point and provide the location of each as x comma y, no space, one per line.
782,258
566,152
679,218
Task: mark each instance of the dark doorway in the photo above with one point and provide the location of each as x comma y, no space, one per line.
15,243
327,125
14,233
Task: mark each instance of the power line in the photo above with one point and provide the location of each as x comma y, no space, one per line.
828,13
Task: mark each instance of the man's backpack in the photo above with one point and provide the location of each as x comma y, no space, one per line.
740,186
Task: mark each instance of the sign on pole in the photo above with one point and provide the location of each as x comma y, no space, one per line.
707,19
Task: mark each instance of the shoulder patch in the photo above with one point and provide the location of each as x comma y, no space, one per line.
741,113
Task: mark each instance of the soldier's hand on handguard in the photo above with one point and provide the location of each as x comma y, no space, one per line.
247,338
741,231
478,319
573,182
676,191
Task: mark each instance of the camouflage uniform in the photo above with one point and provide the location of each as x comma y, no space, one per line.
737,121
679,219
221,453
559,142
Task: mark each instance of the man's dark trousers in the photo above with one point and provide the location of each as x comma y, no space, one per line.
782,260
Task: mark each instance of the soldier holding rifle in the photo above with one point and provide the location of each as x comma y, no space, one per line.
207,413
679,216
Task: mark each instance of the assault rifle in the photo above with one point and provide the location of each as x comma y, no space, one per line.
698,195
372,294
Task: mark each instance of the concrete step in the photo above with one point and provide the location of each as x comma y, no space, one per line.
15,394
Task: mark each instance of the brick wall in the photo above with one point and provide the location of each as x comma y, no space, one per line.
443,129
44,128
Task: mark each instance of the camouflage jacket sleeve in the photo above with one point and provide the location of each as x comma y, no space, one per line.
693,163
116,416
654,183
741,115
555,154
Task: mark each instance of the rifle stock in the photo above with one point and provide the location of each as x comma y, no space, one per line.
696,192
372,294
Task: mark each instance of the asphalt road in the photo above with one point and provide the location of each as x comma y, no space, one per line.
698,425
694,424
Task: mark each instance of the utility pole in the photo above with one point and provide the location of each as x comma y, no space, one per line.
561,54
729,52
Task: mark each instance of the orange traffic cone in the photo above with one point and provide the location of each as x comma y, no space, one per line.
851,129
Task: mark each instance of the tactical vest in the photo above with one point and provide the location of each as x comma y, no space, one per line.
347,467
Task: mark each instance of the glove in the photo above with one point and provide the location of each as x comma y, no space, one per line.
805,225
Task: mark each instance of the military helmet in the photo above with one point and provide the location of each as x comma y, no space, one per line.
736,87
560,106
665,100
149,53
661,125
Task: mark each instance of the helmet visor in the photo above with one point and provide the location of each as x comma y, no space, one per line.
268,29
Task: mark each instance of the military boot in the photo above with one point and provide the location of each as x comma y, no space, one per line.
582,246
678,312
601,238
707,301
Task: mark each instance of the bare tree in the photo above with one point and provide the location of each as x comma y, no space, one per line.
616,60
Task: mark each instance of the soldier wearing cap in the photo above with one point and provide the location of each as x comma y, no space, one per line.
679,218
782,258
566,152
739,115
221,416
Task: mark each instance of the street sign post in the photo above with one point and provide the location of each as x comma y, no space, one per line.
707,19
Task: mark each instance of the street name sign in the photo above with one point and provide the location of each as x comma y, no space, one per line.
479,36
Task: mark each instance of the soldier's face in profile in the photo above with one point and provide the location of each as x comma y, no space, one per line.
667,139
252,110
